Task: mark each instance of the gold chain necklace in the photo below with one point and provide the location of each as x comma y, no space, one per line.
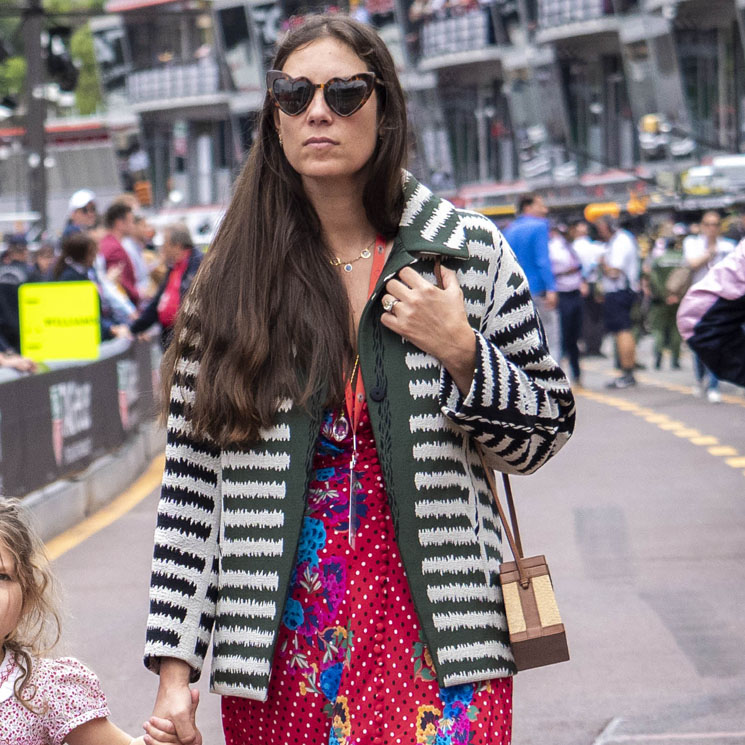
366,254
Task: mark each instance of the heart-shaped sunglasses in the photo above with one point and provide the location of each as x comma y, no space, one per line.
343,96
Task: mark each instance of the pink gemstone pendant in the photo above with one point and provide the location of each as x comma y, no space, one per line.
340,429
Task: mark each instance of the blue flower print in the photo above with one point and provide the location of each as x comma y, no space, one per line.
462,693
293,615
443,740
312,540
325,474
454,710
333,739
331,680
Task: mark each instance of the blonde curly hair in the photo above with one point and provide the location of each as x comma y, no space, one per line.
39,627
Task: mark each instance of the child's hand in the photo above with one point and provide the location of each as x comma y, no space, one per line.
161,731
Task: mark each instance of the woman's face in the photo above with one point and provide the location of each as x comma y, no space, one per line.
318,143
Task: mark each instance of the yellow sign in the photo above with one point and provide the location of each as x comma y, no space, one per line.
59,321
599,209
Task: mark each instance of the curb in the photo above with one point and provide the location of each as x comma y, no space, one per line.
63,504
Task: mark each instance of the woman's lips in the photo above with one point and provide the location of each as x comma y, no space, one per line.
320,142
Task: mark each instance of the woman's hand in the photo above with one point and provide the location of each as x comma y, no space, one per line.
162,731
176,702
434,320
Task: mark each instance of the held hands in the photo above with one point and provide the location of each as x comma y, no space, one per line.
434,320
174,718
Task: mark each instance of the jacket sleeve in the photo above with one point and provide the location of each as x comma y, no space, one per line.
149,315
183,585
711,318
543,258
520,406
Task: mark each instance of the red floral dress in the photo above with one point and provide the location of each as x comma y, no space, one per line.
350,665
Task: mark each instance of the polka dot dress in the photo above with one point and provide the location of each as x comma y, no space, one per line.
350,665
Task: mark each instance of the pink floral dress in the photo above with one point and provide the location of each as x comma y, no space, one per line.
350,664
66,695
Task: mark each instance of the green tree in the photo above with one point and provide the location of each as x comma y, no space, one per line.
12,76
88,96
13,70
88,91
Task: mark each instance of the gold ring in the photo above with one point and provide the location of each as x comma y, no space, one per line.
388,304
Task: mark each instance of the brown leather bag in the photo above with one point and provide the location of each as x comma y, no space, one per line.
537,634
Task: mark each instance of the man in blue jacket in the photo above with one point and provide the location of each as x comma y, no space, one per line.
528,237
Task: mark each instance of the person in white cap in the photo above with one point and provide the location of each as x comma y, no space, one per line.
81,211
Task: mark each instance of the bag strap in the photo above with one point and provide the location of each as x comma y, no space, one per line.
511,528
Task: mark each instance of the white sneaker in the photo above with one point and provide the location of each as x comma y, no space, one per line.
714,396
697,391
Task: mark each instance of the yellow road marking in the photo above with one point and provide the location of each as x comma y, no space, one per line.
149,481
689,434
651,380
705,440
722,450
679,429
657,418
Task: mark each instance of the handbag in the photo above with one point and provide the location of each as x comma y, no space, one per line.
536,631
537,634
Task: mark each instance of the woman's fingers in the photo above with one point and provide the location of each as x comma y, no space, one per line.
398,289
411,277
389,303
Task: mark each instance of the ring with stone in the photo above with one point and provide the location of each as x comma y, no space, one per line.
388,304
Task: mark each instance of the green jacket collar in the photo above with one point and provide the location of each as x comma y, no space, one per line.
429,224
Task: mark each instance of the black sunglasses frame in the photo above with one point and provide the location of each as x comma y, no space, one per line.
370,79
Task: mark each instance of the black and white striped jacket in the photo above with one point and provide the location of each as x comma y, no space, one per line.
229,519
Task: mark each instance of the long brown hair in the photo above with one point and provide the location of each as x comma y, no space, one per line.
269,317
38,629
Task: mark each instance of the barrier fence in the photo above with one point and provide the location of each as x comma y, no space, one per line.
54,424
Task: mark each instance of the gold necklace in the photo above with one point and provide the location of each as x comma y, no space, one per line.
366,254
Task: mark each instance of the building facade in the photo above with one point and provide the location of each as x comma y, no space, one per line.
584,100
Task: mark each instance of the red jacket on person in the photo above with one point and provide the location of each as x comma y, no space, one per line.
115,255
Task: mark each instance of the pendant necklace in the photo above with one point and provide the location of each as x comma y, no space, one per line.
347,265
354,399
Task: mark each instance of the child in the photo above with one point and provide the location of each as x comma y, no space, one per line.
46,701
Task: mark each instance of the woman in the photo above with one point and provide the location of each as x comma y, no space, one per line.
295,373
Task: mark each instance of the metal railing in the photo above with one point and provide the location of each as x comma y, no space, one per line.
174,81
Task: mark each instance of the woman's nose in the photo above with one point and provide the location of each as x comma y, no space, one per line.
318,109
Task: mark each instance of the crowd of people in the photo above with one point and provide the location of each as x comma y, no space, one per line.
588,279
138,285
598,278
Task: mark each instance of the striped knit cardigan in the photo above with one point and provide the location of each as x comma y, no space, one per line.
229,519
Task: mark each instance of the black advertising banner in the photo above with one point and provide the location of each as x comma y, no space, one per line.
55,424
